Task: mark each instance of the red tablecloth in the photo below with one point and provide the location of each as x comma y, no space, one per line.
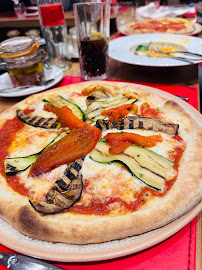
177,252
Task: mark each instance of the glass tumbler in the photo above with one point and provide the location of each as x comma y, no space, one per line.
125,13
92,20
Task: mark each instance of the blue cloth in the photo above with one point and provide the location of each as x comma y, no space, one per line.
68,4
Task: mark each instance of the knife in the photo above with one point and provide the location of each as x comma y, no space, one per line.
185,98
11,89
21,262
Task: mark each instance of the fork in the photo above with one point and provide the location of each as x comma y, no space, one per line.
184,52
23,87
188,60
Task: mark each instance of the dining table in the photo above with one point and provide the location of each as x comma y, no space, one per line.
180,80
10,20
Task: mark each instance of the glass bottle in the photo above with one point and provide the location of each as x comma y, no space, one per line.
54,30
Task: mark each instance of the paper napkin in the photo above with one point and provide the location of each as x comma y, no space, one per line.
151,11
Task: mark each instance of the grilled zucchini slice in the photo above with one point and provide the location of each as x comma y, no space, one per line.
59,101
14,165
95,109
145,164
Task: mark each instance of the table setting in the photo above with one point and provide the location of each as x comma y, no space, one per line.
107,63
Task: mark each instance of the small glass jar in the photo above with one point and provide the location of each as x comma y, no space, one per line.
23,60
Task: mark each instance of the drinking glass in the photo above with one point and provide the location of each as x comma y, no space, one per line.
20,9
92,20
124,13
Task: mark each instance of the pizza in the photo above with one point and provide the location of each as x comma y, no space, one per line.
160,25
98,161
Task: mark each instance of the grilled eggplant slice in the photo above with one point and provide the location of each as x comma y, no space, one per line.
14,165
135,122
59,101
38,121
65,191
95,109
146,165
96,95
49,123
104,88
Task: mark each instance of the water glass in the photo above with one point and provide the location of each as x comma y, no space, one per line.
92,20
20,9
125,13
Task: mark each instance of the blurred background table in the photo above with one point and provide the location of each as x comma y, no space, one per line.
9,20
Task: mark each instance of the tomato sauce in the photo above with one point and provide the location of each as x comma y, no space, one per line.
176,154
96,207
13,181
103,207
147,111
7,136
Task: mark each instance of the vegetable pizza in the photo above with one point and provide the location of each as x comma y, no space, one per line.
97,161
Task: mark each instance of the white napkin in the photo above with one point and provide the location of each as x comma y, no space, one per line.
150,11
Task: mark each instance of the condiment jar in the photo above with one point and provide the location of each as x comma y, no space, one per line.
23,60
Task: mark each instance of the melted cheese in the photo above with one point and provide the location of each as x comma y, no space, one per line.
31,140
41,185
106,181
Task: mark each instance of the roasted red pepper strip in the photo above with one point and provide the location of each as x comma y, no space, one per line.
120,141
114,114
65,116
81,141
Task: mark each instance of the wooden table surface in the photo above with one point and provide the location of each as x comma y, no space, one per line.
9,20
187,76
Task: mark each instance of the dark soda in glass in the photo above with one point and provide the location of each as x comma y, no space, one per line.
94,57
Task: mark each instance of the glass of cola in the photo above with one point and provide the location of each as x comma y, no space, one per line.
92,20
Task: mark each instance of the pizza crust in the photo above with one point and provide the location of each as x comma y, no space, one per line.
78,229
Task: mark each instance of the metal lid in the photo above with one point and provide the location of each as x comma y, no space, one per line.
18,46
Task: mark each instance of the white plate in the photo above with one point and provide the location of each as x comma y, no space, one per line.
121,49
53,73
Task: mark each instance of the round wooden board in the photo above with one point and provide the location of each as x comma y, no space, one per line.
93,252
